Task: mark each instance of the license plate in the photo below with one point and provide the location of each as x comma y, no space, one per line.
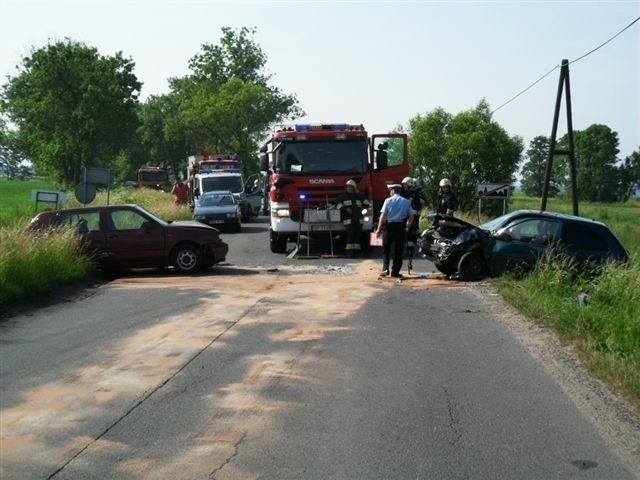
213,222
322,228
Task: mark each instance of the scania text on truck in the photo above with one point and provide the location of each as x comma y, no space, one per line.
307,167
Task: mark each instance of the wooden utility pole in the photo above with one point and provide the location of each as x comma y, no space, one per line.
563,83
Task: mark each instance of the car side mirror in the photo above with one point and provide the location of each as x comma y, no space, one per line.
146,226
503,235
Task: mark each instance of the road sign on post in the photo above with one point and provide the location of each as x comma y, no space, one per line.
494,191
85,192
48,196
92,176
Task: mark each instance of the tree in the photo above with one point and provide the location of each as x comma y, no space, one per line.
533,170
157,146
227,105
629,176
72,108
596,150
468,148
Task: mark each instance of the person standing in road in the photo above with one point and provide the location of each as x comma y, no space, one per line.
396,215
351,203
447,200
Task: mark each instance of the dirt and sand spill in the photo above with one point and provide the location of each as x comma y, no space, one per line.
31,430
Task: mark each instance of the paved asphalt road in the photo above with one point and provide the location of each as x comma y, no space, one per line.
279,368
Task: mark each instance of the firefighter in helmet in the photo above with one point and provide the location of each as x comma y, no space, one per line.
411,191
351,203
447,200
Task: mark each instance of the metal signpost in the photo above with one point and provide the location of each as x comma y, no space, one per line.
86,190
48,196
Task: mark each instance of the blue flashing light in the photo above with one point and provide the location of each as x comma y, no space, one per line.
341,127
302,196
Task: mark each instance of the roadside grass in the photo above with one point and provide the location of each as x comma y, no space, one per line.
32,265
603,329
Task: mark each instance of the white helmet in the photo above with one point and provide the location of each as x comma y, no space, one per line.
351,183
445,182
409,181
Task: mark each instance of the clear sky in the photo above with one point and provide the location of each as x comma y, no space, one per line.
376,63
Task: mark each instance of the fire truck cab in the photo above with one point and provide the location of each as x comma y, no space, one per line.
307,167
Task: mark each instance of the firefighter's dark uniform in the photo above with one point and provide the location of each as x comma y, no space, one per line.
447,202
417,199
351,205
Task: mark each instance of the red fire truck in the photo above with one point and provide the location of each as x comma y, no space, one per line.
307,167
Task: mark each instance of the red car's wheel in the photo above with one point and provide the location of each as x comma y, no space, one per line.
187,258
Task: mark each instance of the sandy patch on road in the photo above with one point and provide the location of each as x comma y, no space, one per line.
147,359
304,303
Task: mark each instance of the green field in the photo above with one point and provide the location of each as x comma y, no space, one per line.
15,198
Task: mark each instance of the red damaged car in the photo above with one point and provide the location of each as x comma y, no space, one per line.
128,236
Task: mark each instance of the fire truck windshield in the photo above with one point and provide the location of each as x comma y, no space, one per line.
318,156
222,183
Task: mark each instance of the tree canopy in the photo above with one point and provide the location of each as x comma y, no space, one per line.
226,104
72,108
533,170
468,148
596,151
601,177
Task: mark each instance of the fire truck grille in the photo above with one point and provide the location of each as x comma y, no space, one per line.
313,197
320,195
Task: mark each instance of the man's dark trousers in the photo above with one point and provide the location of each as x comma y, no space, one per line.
393,235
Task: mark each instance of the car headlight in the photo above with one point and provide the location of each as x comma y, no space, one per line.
200,217
282,212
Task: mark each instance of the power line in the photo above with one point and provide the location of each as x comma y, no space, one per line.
523,91
600,46
558,66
